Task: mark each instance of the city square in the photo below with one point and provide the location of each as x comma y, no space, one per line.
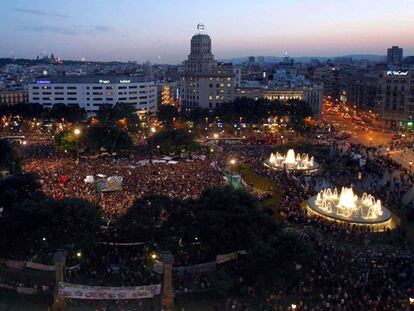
197,180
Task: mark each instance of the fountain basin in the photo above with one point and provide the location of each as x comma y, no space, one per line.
349,208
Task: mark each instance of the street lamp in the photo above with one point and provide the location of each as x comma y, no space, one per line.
77,133
232,164
411,163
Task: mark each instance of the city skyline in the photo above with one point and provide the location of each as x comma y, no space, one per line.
159,32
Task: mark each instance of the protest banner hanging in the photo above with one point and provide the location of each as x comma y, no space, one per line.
77,291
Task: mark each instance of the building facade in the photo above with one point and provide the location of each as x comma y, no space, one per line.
396,97
91,92
205,83
395,56
12,97
313,96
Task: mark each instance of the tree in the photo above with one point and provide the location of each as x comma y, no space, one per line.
32,221
24,110
122,114
279,261
144,221
166,114
70,222
20,196
10,159
69,113
173,141
107,138
66,142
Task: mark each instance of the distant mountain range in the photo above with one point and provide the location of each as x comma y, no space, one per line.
307,59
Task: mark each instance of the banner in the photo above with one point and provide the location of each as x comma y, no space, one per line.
76,291
39,266
6,286
25,290
14,264
121,243
201,268
113,183
225,257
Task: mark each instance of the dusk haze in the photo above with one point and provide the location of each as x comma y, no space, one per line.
156,30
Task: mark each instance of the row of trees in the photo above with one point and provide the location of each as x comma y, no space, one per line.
122,114
222,220
246,109
59,112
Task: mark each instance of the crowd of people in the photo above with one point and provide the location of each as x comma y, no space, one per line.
352,271
63,177
369,275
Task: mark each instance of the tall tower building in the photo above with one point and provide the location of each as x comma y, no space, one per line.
395,56
205,83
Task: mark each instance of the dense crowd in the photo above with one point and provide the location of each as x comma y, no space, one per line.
351,270
63,177
364,276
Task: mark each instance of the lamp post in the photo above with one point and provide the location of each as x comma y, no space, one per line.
232,164
77,133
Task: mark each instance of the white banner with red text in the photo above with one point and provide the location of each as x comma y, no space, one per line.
76,291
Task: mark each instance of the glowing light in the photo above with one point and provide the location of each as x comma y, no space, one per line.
292,161
347,204
77,132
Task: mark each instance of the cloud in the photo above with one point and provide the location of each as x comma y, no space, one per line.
70,30
39,13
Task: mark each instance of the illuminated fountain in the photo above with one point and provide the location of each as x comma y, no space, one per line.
348,207
293,162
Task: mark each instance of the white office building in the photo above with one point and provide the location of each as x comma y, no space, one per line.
91,92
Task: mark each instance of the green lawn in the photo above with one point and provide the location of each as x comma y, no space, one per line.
256,181
262,184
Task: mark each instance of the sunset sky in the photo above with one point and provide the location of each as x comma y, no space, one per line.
160,30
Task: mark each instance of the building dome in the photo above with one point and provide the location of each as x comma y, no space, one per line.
201,44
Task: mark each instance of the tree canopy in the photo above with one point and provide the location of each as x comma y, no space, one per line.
10,159
121,114
166,115
32,221
173,141
108,138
